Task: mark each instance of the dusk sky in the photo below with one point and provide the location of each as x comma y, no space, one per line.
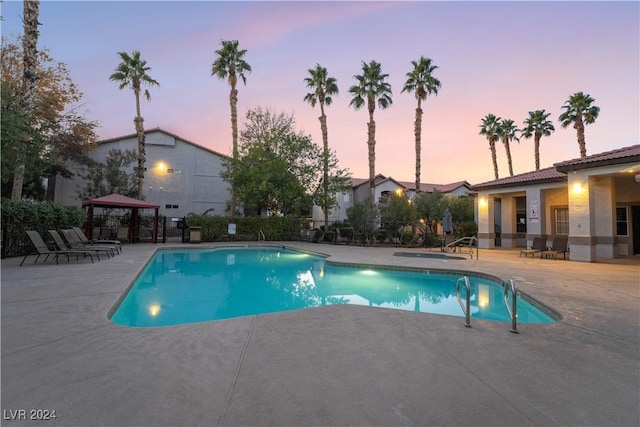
505,58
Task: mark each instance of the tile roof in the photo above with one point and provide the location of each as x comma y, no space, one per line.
613,157
543,175
410,185
557,173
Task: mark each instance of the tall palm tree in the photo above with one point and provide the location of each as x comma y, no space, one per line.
322,88
132,73
537,125
29,78
507,131
489,128
421,81
579,111
230,64
371,88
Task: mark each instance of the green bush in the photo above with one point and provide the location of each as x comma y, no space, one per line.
466,229
215,228
19,216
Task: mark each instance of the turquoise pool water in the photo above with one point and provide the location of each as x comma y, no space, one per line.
188,286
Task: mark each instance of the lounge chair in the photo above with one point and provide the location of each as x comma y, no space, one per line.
537,246
75,243
43,249
61,245
85,240
560,245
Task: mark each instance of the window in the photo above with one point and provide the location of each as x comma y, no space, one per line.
171,206
621,221
561,222
347,197
173,170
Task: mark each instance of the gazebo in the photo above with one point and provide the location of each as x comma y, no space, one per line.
122,202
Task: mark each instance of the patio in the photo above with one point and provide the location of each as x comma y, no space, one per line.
336,365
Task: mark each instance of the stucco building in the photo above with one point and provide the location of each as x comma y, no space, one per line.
594,200
181,176
383,186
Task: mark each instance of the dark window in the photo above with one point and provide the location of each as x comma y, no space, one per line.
621,221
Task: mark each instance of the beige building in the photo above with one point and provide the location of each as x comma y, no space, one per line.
594,200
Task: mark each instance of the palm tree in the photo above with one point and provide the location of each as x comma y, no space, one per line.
421,81
323,87
537,125
507,131
132,73
230,64
29,73
489,128
579,111
371,88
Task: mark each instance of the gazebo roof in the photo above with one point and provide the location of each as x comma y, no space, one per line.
118,200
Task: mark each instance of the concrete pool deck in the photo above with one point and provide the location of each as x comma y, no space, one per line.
336,365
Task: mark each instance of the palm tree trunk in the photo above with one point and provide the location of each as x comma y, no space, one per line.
30,68
505,141
138,121
233,102
494,157
325,163
579,126
371,142
418,134
536,148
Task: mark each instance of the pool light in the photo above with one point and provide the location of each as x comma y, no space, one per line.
154,309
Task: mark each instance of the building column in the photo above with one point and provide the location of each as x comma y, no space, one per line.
536,217
603,208
484,214
508,226
582,242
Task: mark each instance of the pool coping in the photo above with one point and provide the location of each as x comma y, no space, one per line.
337,365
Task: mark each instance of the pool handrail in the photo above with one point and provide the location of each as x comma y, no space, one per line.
513,311
463,242
466,310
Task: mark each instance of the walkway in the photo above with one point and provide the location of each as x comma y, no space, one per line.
337,365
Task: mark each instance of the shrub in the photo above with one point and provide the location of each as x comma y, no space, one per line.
19,216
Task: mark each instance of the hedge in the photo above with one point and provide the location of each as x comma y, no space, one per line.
215,228
20,215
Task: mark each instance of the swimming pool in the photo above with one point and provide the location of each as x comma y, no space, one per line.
198,285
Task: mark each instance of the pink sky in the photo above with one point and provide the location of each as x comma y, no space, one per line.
505,58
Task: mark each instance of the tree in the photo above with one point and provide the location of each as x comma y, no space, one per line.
396,212
421,81
489,128
132,73
537,125
29,79
579,111
338,180
430,207
277,167
322,88
58,133
362,217
110,177
507,131
230,64
371,88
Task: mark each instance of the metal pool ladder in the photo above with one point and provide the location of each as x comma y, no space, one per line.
261,236
467,309
510,285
